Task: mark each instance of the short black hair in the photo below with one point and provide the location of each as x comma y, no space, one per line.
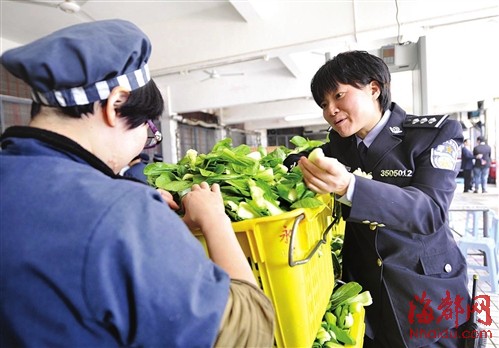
355,68
143,104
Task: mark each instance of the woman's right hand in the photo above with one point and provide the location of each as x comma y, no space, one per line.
204,207
325,175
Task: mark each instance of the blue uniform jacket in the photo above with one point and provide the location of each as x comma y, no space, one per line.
467,159
136,171
485,151
397,238
89,259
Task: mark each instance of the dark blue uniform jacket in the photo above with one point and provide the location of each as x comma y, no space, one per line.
397,238
89,259
137,172
467,159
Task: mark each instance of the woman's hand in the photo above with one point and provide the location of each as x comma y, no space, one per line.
204,207
325,175
168,198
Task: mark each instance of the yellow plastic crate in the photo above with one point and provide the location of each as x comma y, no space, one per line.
290,255
358,329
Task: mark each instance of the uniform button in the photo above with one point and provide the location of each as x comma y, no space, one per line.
379,262
447,268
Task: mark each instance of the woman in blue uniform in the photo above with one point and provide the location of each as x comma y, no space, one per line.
90,259
397,241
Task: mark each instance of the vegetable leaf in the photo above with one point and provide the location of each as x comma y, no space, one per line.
253,183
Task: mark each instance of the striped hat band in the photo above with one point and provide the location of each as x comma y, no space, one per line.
92,93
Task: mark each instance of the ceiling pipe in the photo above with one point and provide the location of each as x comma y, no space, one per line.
207,66
354,6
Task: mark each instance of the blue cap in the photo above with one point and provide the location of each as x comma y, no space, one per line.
144,157
157,158
81,64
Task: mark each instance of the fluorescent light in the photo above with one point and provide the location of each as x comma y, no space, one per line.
301,117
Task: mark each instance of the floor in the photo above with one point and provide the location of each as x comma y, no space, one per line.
491,200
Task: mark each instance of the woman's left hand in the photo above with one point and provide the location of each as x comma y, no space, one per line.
168,198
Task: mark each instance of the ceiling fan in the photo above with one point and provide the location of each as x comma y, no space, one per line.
213,74
68,6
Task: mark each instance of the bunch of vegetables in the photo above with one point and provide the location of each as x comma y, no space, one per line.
345,300
336,255
253,183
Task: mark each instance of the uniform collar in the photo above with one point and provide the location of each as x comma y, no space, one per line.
58,142
387,136
368,140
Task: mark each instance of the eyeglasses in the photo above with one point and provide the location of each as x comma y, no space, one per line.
153,140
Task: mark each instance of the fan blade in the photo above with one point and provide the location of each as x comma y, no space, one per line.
206,79
42,3
84,16
232,74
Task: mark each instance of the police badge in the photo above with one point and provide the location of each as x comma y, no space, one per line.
444,156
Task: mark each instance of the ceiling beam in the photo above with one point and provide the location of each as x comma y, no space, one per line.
291,65
247,10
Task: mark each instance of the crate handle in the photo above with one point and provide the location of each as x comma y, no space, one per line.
323,240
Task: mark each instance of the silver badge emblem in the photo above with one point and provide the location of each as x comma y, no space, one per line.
444,156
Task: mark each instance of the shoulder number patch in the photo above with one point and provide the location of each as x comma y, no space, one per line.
444,156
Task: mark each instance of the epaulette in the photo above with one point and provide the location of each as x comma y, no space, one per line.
432,121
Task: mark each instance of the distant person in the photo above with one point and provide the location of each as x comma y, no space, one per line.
136,167
157,158
481,169
467,160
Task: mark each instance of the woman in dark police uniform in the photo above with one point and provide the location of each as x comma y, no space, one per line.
398,244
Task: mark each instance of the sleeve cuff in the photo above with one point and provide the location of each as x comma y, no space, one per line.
346,199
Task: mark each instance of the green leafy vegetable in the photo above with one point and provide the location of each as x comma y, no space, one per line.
345,292
303,144
336,323
336,255
316,154
253,183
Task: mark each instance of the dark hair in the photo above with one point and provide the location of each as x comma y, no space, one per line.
144,103
480,139
355,68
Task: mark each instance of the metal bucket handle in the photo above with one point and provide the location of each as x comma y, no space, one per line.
323,240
